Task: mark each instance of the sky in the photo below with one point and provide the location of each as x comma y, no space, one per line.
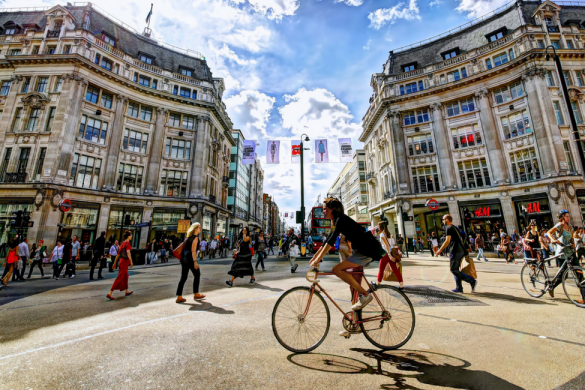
293,66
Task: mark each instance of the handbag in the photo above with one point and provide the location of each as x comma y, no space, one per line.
469,269
390,276
179,251
59,261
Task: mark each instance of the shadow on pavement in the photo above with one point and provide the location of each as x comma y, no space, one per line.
206,306
512,298
426,367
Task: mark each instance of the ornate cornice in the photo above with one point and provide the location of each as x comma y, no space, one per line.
35,100
161,111
483,92
121,99
435,106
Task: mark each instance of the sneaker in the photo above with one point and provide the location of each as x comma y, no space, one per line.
296,266
363,302
473,285
229,283
72,276
345,333
56,278
457,290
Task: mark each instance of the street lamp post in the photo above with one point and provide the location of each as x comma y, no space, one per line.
559,68
305,138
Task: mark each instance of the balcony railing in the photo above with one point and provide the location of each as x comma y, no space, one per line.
14,178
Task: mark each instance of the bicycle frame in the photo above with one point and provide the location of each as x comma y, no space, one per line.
355,294
540,261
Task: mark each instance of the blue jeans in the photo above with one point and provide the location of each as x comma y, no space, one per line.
480,254
260,260
455,266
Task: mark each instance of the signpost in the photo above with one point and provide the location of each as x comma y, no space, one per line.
183,225
65,205
433,205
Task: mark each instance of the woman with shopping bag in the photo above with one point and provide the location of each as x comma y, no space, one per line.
10,262
57,259
394,257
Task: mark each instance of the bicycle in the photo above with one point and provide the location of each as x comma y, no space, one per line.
536,281
301,318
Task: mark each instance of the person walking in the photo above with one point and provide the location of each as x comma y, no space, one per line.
99,247
67,259
434,243
279,247
37,255
242,264
75,253
24,254
579,249
454,244
202,248
479,247
531,242
57,259
167,248
400,242
189,263
292,258
391,260
544,244
212,248
125,259
10,262
430,243
271,246
152,248
113,253
260,249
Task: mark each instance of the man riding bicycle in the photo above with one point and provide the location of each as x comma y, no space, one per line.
366,248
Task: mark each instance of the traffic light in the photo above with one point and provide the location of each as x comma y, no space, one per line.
17,219
25,219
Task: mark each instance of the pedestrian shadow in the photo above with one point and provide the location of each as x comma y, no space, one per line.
427,368
512,298
264,287
206,306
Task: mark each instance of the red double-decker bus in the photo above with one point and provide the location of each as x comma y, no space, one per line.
318,225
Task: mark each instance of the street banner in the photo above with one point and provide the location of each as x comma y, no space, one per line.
345,150
273,152
321,151
249,154
286,215
296,151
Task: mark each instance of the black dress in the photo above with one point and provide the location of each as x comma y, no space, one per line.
242,265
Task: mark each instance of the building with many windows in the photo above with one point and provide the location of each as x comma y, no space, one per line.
476,120
350,187
256,196
131,130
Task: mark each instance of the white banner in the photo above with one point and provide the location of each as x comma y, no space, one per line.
273,152
249,154
296,151
345,150
321,151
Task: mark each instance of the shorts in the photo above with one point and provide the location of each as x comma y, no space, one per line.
359,259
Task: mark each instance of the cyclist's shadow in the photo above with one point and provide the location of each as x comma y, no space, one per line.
426,367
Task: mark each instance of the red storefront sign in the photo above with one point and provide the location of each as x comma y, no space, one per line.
533,207
482,212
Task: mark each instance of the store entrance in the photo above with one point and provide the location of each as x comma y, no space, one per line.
427,221
533,208
122,219
483,218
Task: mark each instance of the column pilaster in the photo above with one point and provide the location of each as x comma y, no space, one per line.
400,159
443,148
156,152
200,157
115,143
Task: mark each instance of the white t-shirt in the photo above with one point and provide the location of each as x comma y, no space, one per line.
434,241
391,240
382,235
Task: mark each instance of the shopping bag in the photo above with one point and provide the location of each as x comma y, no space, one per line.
179,251
469,269
390,276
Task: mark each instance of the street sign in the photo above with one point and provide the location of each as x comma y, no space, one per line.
432,204
65,205
183,225
142,224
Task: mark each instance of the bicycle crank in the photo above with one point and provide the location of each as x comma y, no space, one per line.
351,327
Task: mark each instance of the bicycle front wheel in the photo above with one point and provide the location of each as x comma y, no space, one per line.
388,321
299,325
533,280
574,285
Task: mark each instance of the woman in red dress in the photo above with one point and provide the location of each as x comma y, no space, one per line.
121,282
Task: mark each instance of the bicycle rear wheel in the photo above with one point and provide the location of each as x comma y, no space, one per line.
573,284
533,280
394,323
298,326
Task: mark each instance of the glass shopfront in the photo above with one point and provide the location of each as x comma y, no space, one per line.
7,209
581,201
206,226
533,208
165,223
220,228
81,221
122,219
483,217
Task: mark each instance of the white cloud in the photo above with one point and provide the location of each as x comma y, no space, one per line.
367,46
382,16
355,3
250,111
229,54
476,8
276,9
435,2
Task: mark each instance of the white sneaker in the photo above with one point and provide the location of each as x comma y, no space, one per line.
363,301
345,333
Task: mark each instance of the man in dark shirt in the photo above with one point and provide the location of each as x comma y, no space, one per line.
99,246
454,245
66,259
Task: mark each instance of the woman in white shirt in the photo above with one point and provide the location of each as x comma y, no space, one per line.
56,257
384,234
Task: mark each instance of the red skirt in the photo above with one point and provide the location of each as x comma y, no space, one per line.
121,282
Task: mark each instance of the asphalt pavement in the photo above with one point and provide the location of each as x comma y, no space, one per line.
65,334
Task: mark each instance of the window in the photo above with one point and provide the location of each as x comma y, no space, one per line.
175,90
25,85
466,136
40,162
16,121
33,119
146,59
10,31
577,113
154,84
555,44
474,173
453,76
511,53
443,79
464,72
451,54
85,171
194,94
135,141
173,183
178,148
15,52
540,44
579,78
106,100
129,179
5,164
23,160
51,49
567,77
93,130
184,121
462,106
500,59
495,36
36,49
422,116
467,105
97,58
408,68
58,84
67,49
146,113
187,72
135,109
116,69
42,84
569,156
135,77
108,39
452,108
425,179
362,165
92,94
5,88
558,113
516,90
550,79
525,165
570,44
420,144
106,64
49,125
488,63
143,80
185,92
516,124
409,118
505,94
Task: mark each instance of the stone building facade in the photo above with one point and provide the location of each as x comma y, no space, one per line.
476,120
133,131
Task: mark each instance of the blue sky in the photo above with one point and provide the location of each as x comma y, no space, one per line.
294,66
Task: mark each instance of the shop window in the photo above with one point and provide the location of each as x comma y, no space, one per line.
178,148
16,121
173,183
42,84
420,144
425,179
40,162
5,163
5,88
135,141
466,136
474,173
85,171
569,156
93,130
516,124
25,85
51,119
525,165
129,179
33,119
